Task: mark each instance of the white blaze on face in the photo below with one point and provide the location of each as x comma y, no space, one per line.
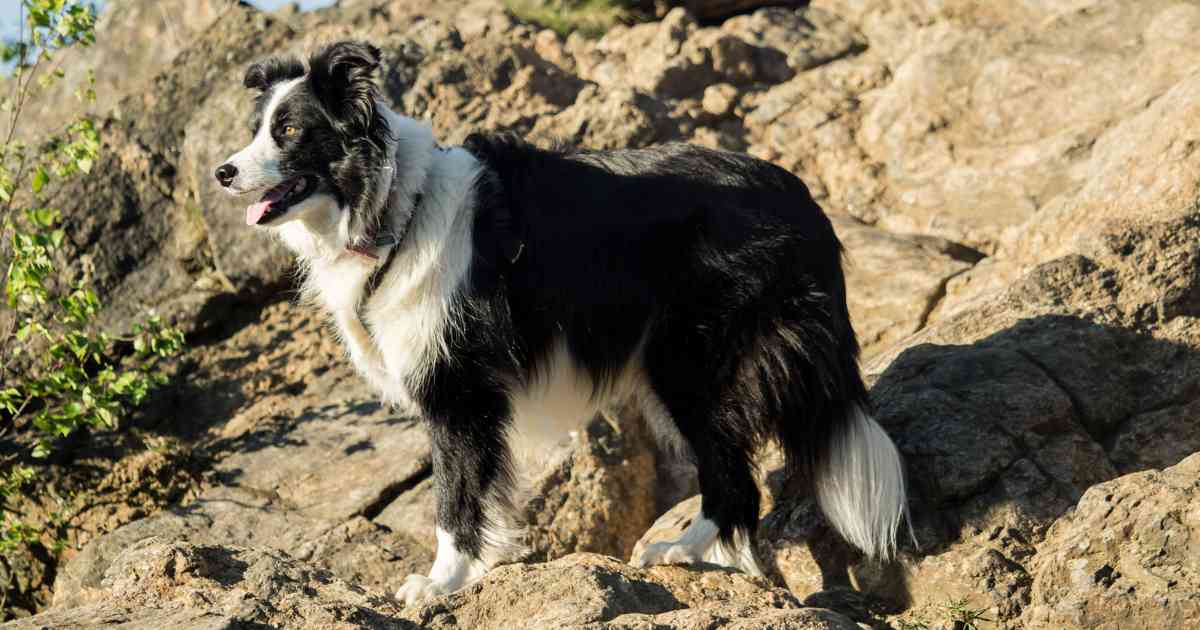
258,164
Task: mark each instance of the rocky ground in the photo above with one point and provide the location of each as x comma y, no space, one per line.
1017,185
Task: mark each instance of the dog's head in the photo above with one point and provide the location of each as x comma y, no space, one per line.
319,140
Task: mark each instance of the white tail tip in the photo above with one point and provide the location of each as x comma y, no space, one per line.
860,485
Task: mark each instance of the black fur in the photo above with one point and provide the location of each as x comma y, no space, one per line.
268,72
342,77
722,265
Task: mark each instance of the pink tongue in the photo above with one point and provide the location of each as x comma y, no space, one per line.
255,212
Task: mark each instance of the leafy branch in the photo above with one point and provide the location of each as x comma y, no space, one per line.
60,370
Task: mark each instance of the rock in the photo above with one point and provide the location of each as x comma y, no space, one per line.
792,40
1156,439
372,556
732,58
720,9
304,480
810,125
968,128
479,19
413,513
615,118
893,282
118,68
719,99
223,586
132,219
675,58
600,497
1125,557
656,58
583,590
1139,170
488,83
214,586
333,453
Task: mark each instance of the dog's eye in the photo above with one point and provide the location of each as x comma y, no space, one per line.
291,131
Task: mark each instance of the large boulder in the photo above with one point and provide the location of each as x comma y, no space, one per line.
894,281
168,27
970,128
135,224
1126,557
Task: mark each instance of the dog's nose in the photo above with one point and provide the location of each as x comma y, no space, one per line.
226,173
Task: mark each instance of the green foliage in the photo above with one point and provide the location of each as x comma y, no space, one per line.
959,615
963,616
590,18
59,370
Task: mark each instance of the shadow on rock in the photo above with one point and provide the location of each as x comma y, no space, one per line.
1001,438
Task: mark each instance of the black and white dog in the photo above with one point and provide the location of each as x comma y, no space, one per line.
508,292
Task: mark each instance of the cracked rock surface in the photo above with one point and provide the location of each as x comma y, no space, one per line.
1015,184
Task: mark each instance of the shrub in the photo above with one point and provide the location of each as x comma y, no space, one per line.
59,371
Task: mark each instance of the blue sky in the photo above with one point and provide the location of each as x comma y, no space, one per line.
10,12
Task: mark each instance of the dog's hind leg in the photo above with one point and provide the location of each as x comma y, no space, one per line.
706,421
721,533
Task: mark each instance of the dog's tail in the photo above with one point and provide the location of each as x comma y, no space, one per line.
859,482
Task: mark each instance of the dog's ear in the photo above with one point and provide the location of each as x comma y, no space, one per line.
263,74
343,78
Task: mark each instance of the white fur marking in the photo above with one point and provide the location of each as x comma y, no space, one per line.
409,312
560,399
700,542
451,571
860,486
258,164
737,555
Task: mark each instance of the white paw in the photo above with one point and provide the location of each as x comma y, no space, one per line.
673,552
418,589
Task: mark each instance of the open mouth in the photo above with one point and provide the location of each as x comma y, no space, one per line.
276,201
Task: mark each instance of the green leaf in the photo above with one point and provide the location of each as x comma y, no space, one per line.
125,381
40,177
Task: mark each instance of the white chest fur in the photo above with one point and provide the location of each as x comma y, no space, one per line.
396,336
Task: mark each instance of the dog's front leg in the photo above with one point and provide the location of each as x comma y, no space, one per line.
472,480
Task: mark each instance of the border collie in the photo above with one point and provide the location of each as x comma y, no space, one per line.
508,292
